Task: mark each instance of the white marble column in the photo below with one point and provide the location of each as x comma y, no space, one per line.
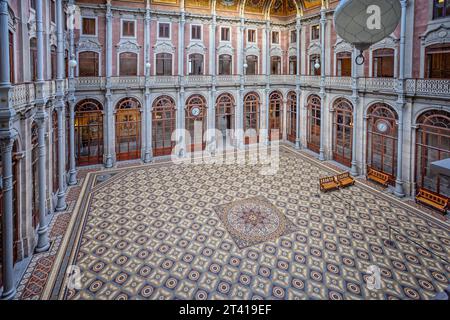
399,190
323,23
71,98
266,131
60,107
355,102
211,138
181,139
7,136
41,119
148,154
298,28
239,113
109,113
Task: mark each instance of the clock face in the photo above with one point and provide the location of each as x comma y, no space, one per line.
195,111
382,126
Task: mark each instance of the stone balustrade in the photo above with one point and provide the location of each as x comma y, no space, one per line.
24,94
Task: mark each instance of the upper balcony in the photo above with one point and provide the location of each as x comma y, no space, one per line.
438,88
24,94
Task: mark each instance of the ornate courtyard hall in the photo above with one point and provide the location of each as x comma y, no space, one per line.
115,116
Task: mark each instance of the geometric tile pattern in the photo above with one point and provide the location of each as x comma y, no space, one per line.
151,232
252,221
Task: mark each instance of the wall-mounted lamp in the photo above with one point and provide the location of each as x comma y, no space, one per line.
317,64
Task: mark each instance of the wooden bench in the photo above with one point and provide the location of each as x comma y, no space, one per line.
345,180
328,183
433,200
378,177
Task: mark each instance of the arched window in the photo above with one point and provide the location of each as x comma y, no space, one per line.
15,194
313,133
275,115
53,63
196,64
293,65
343,132
275,65
252,65
225,64
344,64
88,64
163,124
33,59
11,57
225,114
55,148
128,129
292,117
432,144
438,61
251,117
88,132
314,60
34,175
128,64
441,9
383,63
195,123
163,64
382,135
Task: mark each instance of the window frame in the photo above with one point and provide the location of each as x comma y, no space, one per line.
277,32
255,33
96,27
291,32
171,64
219,66
312,33
196,25
120,64
169,24
229,33
434,8
121,28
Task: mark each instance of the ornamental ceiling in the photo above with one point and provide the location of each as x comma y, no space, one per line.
277,7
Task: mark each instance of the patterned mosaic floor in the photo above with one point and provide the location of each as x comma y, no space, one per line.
158,232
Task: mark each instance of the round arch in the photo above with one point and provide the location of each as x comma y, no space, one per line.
225,115
128,129
291,109
88,132
275,115
252,103
432,144
195,122
382,138
163,124
343,131
313,106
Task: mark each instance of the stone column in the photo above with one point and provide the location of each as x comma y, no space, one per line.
73,170
355,101
41,117
399,191
60,107
241,61
298,28
181,139
323,22
9,283
211,137
147,107
71,99
109,137
267,90
7,136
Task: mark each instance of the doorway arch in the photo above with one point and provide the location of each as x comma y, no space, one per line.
128,129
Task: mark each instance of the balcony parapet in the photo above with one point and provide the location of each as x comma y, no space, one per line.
24,94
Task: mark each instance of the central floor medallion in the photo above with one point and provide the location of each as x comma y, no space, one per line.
254,220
